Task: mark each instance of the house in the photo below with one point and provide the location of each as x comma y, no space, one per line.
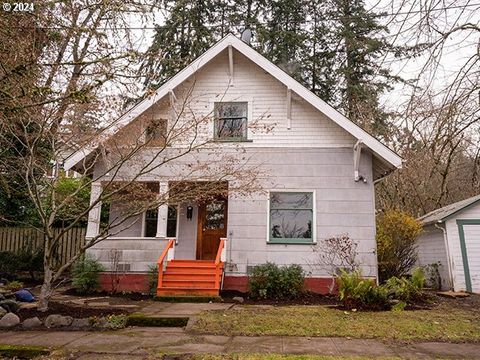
451,237
319,174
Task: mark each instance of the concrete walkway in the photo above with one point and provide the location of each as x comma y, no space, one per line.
148,343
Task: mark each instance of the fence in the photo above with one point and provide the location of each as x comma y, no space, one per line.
15,239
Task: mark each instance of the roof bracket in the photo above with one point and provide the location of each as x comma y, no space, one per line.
357,152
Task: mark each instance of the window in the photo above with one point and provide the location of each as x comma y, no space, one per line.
151,221
231,121
291,217
172,221
156,133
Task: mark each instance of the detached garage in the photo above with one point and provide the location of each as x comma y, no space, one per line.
452,237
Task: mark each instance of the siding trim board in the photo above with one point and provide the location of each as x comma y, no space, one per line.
463,247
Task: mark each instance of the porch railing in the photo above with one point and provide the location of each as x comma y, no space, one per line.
169,254
221,256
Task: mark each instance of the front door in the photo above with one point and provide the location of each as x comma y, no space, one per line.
212,225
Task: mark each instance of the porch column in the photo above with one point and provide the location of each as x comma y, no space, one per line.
93,226
162,212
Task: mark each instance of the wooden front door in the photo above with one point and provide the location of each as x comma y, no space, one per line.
212,225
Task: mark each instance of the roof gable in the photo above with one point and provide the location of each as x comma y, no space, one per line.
379,149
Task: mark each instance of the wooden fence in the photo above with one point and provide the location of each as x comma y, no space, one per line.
15,239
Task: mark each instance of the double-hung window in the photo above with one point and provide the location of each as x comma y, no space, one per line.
151,221
231,121
291,217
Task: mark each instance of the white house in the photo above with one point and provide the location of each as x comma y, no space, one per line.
452,237
319,174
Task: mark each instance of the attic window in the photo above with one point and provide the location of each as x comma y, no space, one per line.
156,133
231,121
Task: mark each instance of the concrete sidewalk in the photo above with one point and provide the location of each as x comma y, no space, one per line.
147,343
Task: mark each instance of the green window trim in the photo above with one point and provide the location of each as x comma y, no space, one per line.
292,241
463,248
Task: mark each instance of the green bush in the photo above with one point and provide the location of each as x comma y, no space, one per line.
356,292
27,260
153,279
85,274
269,281
397,234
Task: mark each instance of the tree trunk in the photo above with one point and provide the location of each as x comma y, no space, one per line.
46,290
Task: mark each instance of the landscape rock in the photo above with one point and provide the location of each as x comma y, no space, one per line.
9,320
53,321
80,323
238,299
31,323
2,312
9,305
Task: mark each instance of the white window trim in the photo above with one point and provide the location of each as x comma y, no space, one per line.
233,98
314,214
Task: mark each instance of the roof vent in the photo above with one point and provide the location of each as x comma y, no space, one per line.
247,35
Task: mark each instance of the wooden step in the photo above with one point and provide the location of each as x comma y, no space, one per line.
172,291
188,284
175,275
191,264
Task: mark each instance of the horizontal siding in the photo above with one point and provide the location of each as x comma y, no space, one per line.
431,249
470,213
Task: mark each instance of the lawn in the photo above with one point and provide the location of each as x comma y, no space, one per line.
441,323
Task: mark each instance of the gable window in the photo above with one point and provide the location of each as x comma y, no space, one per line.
291,217
231,121
151,221
156,133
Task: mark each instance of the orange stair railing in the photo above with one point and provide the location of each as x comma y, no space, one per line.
170,246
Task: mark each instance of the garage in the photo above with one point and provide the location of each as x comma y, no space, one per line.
451,238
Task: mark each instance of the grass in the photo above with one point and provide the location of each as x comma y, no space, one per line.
156,321
272,357
441,324
22,352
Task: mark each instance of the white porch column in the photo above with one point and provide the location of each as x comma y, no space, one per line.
93,226
162,212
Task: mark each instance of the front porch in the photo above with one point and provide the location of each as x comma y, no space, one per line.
185,239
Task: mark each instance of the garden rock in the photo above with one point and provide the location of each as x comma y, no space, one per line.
31,323
9,305
2,312
9,320
53,321
80,323
238,299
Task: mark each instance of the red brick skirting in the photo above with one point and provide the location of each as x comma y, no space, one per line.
138,282
133,282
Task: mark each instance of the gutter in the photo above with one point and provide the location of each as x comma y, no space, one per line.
447,249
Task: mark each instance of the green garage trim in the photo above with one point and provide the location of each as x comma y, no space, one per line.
463,247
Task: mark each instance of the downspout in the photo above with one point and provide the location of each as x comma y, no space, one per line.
447,249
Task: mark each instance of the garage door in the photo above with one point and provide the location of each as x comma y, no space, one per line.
470,242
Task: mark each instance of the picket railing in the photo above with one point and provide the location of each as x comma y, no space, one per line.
16,239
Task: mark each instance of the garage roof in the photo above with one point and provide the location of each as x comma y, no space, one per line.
447,211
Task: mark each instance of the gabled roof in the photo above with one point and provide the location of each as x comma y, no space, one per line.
380,150
445,212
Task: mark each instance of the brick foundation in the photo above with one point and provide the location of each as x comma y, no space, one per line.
138,282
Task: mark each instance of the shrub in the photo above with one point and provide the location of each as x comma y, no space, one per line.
14,285
269,281
85,274
27,259
153,279
397,234
356,292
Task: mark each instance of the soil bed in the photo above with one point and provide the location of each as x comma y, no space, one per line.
70,310
307,298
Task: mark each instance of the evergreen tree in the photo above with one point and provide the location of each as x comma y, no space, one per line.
185,35
360,51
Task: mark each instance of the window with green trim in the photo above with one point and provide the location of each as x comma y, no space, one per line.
231,121
291,217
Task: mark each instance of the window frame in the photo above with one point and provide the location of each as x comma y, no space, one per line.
249,102
292,241
158,142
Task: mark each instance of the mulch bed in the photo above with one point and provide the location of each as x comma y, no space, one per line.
307,298
69,310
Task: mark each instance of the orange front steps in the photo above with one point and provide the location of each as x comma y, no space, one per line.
190,277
